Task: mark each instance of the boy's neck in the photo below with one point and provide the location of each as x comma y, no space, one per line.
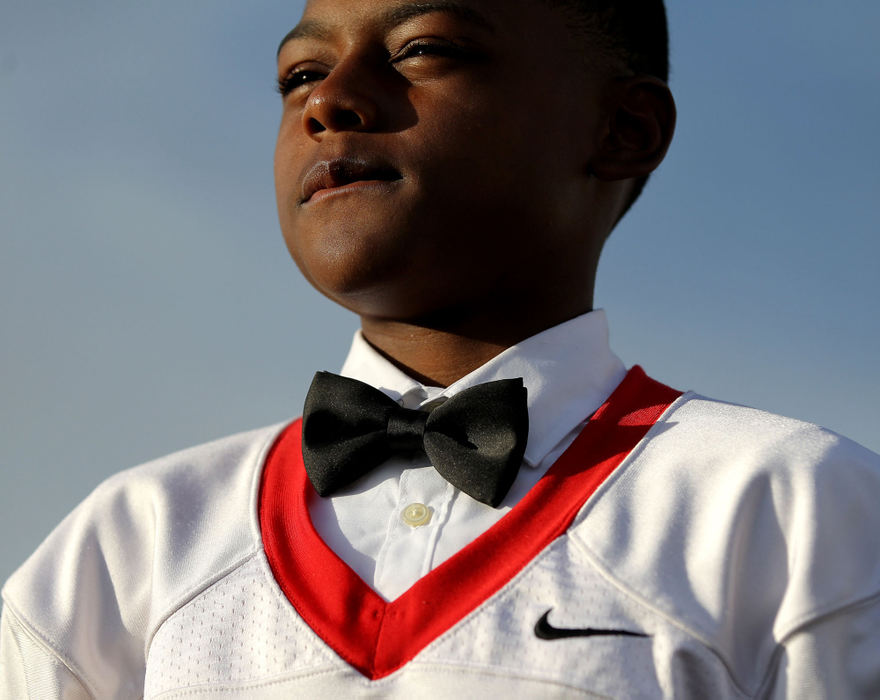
439,351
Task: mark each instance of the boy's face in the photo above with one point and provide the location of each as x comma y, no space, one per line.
434,154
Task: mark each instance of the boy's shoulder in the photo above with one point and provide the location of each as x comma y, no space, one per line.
718,444
146,540
714,433
728,459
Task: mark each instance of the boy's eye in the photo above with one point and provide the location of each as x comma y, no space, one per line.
302,75
424,47
297,77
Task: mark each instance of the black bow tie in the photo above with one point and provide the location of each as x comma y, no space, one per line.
475,439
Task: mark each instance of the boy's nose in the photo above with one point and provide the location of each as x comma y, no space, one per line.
342,101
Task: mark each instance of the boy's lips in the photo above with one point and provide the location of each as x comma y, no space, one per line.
339,172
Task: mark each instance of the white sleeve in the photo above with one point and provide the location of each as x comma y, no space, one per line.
29,669
837,657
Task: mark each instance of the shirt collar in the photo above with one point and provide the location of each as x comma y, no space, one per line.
568,370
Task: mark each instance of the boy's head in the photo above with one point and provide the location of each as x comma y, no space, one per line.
466,157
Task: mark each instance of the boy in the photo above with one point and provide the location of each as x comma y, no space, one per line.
449,172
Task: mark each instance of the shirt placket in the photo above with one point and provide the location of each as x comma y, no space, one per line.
423,502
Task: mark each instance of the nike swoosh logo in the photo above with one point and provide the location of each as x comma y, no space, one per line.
544,630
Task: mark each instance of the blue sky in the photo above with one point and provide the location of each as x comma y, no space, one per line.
147,302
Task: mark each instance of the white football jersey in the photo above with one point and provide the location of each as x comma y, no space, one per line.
681,547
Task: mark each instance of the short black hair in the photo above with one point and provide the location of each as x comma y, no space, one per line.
633,33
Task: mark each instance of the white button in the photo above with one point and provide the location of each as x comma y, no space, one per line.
416,514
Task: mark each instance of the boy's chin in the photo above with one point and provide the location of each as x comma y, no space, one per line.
400,295
375,271
391,300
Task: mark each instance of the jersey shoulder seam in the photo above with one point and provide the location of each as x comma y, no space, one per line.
643,602
271,435
43,640
809,621
194,593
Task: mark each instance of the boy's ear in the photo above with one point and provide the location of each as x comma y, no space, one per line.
641,121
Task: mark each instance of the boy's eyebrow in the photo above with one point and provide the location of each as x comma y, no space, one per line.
402,13
308,29
315,29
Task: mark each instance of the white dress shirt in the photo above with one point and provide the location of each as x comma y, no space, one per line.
403,519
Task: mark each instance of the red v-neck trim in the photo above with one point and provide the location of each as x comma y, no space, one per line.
378,637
